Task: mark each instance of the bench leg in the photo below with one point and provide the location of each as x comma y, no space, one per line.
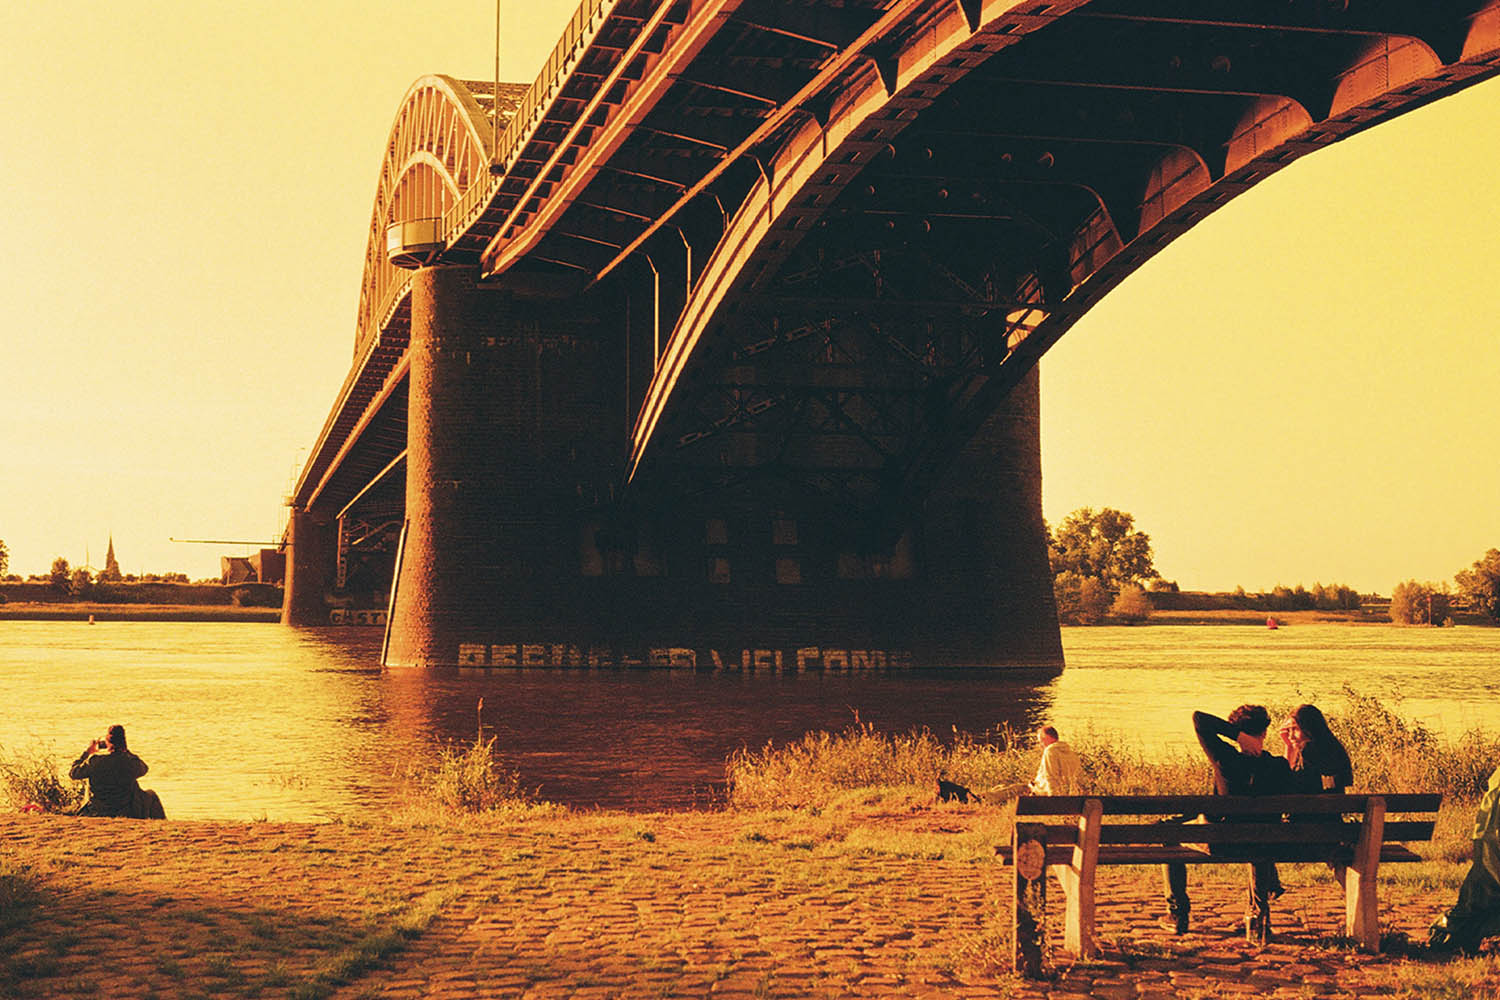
1078,884
1361,904
1029,914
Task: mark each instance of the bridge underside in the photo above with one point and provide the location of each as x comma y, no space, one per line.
736,367
521,550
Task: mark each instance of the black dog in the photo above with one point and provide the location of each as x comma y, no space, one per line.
948,791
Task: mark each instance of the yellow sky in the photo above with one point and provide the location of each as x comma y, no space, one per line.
1301,389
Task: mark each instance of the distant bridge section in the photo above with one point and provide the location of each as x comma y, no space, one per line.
717,343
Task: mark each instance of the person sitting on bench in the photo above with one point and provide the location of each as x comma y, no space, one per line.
1318,760
1235,747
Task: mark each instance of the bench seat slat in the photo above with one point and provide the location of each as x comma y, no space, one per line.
1222,805
1141,854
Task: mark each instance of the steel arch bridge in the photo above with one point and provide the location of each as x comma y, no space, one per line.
789,265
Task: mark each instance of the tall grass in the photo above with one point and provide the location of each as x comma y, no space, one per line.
1390,753
30,779
466,778
1393,753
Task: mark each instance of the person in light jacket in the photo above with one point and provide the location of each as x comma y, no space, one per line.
1060,772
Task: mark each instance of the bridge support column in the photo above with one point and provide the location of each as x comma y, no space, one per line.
988,596
501,393
309,568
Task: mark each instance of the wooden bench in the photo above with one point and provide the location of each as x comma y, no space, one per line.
1086,832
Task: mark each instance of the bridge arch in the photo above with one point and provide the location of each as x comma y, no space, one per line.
1357,73
440,145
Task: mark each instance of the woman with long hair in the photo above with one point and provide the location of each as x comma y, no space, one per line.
1317,758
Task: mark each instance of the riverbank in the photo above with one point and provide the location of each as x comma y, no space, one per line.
82,611
1223,616
889,900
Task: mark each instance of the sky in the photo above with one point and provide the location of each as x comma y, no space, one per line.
1302,389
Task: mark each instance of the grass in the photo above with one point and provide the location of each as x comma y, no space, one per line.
1389,753
20,894
376,946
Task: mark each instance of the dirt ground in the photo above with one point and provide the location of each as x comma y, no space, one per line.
701,904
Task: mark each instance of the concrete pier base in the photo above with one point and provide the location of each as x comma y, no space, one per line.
313,542
503,415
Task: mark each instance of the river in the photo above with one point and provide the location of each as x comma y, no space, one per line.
249,721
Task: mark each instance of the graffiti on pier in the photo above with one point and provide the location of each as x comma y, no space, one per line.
748,659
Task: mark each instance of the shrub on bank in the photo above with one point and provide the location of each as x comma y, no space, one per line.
806,771
1393,753
471,779
30,778
466,779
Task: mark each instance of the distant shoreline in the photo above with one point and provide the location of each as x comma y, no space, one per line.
82,611
1289,619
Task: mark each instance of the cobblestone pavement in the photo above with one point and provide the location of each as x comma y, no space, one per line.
599,905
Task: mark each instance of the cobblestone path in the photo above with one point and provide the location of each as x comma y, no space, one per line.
609,905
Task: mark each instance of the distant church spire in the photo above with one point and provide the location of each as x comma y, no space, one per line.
111,567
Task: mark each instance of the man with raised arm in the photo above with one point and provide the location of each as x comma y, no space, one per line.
1235,748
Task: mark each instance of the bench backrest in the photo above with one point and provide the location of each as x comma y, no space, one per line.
1172,819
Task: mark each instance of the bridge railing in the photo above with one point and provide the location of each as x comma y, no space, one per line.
508,144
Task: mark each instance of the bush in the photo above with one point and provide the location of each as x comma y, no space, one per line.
812,770
255,595
1081,600
466,779
471,779
806,771
31,779
1414,603
1132,605
1394,754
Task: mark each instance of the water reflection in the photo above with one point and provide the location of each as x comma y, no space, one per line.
250,720
659,739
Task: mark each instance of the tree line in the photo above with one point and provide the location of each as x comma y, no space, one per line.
1478,588
67,580
1102,567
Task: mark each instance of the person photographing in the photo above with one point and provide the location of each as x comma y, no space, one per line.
112,772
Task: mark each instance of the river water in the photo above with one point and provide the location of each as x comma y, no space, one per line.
247,721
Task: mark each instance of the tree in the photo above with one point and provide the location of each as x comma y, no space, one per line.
60,573
1335,597
4,559
81,581
1481,585
1414,603
1103,545
1132,605
1081,600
